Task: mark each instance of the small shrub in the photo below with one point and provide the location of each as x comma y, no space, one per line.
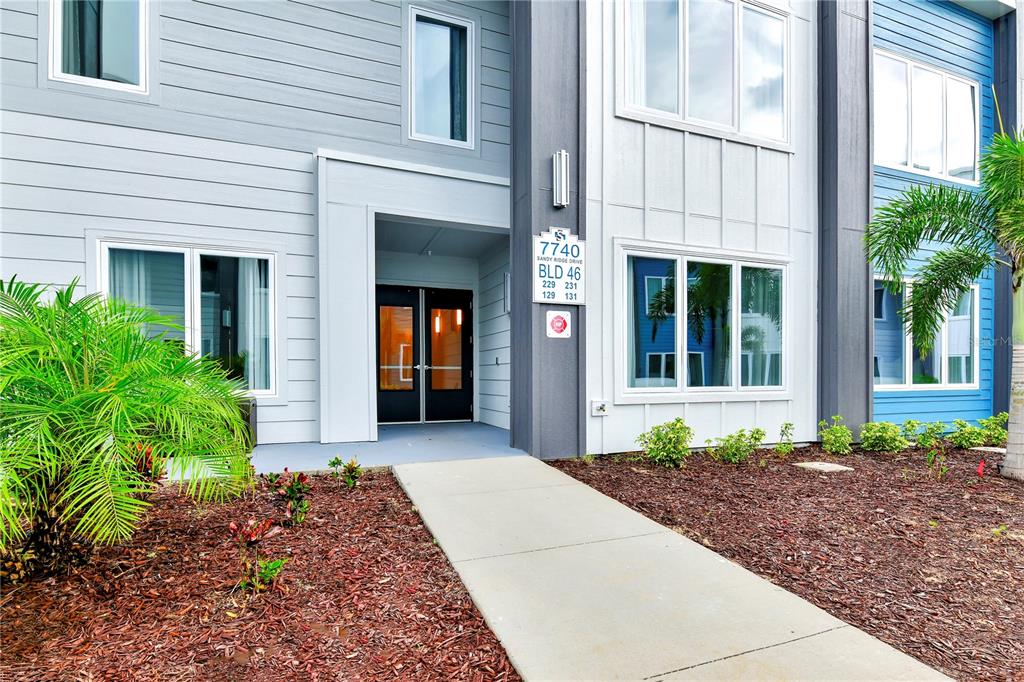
836,439
965,435
785,445
295,512
293,488
910,430
932,434
257,574
587,459
936,459
271,479
336,465
882,437
737,447
667,444
351,473
994,428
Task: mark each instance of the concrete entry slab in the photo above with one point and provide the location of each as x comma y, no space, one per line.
579,587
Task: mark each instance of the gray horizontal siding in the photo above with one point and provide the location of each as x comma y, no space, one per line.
295,74
494,342
60,179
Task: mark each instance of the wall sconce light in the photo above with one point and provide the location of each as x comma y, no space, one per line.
458,317
560,179
437,323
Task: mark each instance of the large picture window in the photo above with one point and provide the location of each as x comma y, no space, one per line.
731,332
221,301
100,42
926,120
898,361
441,68
717,63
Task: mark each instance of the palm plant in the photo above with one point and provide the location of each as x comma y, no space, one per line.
972,231
94,411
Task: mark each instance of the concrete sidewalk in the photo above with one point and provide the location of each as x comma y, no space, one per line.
579,587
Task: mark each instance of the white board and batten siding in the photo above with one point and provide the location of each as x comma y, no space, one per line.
701,195
222,150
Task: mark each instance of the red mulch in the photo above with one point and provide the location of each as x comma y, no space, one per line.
366,595
912,560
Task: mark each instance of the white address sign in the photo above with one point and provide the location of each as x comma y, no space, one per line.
559,268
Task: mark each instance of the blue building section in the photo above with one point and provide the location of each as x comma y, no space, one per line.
655,342
958,42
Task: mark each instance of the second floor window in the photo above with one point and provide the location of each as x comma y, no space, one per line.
442,84
720,63
926,120
99,42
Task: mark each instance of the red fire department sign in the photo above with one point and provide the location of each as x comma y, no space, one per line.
559,324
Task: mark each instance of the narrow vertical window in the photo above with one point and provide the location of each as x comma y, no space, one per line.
654,62
441,79
154,280
709,322
961,124
761,326
960,341
889,339
652,326
926,115
235,316
891,102
762,71
709,64
100,40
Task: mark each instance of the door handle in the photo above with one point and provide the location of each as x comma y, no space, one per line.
422,367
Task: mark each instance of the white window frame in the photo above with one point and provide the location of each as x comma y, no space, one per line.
626,394
56,73
910,65
908,352
193,293
682,121
470,26
647,290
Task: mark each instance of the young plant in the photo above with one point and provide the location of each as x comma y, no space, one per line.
936,459
256,574
994,429
351,472
910,430
295,512
736,447
836,439
932,434
95,404
667,444
882,437
271,479
966,435
293,488
785,445
336,465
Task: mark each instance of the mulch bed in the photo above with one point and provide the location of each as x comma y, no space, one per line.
933,567
365,595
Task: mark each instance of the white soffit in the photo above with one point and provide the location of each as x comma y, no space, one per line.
993,9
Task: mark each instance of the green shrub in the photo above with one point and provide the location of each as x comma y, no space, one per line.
785,444
910,430
667,444
931,435
966,435
882,437
836,438
995,429
95,409
736,447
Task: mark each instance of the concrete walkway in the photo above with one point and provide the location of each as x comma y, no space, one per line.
579,587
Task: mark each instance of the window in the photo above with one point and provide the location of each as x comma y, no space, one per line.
717,63
879,305
100,42
926,121
441,68
652,308
222,302
898,361
731,335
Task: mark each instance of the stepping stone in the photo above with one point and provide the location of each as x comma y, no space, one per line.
998,451
827,467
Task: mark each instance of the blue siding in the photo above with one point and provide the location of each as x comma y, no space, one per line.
960,42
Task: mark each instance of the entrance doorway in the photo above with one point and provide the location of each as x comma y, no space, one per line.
424,354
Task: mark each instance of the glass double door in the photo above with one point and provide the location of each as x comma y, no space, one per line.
424,354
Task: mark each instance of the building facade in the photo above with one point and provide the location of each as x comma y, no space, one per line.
339,201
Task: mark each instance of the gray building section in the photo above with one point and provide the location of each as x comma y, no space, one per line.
844,336
1009,84
547,374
